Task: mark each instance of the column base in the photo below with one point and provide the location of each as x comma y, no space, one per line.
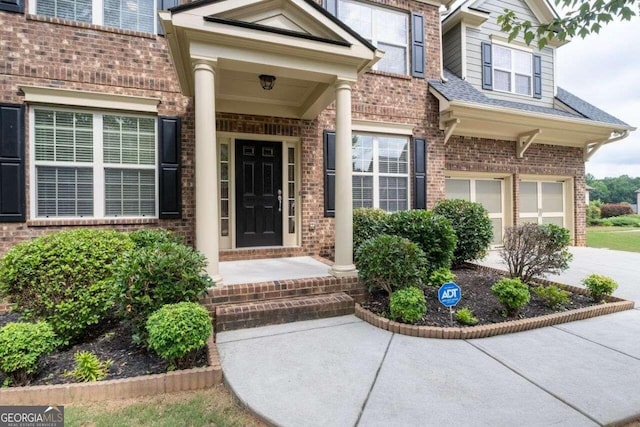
343,271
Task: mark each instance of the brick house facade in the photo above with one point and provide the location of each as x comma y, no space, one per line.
40,51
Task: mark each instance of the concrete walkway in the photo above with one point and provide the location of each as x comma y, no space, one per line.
345,372
266,270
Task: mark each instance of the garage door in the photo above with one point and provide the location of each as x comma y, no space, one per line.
542,202
488,192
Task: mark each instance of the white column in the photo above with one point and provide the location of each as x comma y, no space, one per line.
343,265
207,219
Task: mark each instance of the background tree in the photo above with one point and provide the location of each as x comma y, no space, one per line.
583,18
613,190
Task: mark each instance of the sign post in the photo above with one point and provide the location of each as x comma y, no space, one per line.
449,295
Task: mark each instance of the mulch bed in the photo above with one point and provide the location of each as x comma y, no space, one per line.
477,295
111,340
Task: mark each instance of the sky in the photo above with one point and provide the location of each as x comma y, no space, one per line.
604,69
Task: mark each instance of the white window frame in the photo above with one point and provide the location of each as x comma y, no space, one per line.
98,18
374,33
376,174
97,165
540,214
512,72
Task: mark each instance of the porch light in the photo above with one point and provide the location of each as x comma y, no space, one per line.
267,81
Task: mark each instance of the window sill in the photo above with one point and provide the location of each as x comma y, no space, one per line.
79,24
387,74
55,222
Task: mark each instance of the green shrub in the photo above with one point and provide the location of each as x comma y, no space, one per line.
433,233
624,221
368,223
63,278
532,250
593,212
88,367
600,286
408,304
466,317
552,295
176,331
151,277
21,346
145,237
472,226
512,294
441,276
390,262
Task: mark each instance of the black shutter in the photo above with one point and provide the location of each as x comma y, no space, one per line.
487,72
537,76
331,6
12,185
164,5
419,173
329,140
417,45
12,5
169,172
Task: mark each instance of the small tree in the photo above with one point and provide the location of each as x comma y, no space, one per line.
533,250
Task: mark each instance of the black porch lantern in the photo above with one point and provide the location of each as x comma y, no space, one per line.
267,81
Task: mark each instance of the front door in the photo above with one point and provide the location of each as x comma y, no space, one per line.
258,193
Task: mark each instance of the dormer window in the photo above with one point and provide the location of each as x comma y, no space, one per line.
512,70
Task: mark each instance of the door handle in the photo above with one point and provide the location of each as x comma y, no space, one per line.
279,200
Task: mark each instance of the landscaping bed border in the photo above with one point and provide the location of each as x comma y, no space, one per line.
125,388
612,305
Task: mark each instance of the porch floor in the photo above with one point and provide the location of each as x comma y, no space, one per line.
265,270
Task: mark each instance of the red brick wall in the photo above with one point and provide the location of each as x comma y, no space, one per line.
485,155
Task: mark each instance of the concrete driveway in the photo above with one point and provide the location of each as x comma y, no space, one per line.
345,372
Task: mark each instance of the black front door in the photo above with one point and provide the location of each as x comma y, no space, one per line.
258,186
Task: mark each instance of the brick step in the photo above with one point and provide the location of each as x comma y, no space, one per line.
261,313
279,289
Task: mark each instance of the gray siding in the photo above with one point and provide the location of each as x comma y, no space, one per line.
452,50
477,35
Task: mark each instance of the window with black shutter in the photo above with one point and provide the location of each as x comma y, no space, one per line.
329,143
169,171
12,173
419,173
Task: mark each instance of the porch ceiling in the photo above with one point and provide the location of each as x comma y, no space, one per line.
306,49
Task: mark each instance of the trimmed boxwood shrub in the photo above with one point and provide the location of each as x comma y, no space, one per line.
433,234
552,295
176,331
150,277
145,237
440,277
600,286
63,278
368,223
512,294
408,304
472,226
390,263
21,346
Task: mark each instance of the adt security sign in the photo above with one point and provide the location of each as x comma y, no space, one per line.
449,294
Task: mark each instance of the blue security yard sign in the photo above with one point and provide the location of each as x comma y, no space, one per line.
449,294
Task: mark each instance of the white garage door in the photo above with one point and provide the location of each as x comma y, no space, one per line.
488,192
542,202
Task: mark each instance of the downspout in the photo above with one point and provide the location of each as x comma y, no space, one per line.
588,153
441,14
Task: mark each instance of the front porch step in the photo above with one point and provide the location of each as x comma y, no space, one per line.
286,310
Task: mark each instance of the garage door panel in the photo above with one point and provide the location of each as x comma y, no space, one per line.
458,189
552,197
528,197
557,220
489,194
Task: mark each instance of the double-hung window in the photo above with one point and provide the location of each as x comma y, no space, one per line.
93,165
380,172
387,29
136,15
512,70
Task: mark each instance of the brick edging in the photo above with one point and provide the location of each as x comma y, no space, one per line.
612,305
126,388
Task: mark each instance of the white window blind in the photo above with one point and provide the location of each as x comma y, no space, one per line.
136,15
380,172
93,164
512,70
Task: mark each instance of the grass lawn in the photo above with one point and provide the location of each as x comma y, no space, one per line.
213,407
618,238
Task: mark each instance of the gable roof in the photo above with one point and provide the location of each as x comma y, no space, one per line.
456,89
542,9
